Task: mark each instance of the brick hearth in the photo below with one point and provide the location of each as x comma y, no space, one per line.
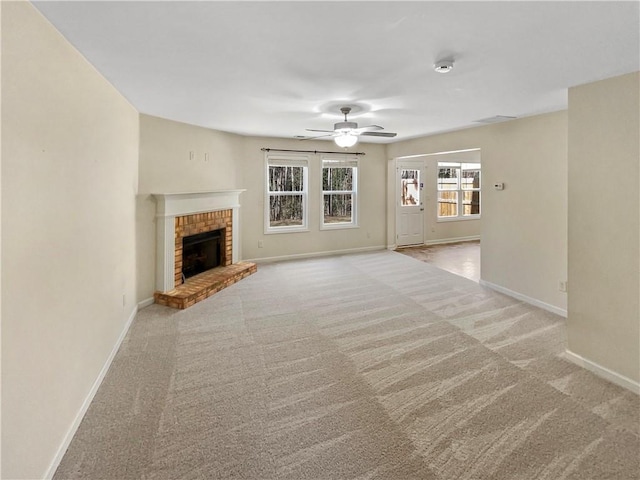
205,284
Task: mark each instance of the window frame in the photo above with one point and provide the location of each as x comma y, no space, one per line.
343,161
460,166
283,160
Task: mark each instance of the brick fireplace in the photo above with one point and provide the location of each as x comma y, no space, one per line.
189,225
182,215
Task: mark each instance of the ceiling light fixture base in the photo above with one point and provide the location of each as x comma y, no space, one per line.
443,66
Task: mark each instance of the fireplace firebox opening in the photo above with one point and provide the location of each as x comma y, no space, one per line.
202,252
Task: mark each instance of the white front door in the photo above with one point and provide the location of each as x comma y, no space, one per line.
409,202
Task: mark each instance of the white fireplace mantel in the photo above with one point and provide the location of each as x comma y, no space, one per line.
172,205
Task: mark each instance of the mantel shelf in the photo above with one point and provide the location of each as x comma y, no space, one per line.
186,203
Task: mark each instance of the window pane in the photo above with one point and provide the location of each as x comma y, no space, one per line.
286,179
448,178
470,179
337,179
410,188
448,204
471,203
285,210
338,208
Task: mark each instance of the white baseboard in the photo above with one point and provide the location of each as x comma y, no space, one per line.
603,372
452,240
439,241
87,401
530,300
145,303
315,254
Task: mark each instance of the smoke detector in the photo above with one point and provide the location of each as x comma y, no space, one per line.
443,66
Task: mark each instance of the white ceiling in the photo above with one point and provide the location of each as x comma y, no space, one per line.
276,68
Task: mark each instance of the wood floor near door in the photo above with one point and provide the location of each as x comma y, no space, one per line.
461,258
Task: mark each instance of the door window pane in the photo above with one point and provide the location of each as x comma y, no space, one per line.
410,188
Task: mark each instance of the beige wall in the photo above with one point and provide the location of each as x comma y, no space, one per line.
371,198
166,166
604,224
69,178
524,226
235,161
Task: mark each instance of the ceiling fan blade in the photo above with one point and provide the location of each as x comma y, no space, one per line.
300,137
323,131
359,130
379,134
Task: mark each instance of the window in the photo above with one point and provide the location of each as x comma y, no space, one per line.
458,190
286,202
410,194
339,192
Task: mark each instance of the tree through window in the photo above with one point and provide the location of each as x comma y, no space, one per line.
287,194
339,189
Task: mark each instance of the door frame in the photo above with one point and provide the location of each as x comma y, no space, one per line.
419,164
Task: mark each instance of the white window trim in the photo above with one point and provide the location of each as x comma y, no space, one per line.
290,161
459,217
347,161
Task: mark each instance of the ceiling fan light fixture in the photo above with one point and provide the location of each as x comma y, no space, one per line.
346,133
346,140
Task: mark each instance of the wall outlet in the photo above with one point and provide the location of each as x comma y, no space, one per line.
191,155
562,285
260,243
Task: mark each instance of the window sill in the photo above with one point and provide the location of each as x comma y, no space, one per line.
272,231
338,226
457,219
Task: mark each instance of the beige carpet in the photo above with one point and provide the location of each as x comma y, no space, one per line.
364,366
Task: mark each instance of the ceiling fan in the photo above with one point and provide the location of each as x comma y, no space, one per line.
346,133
